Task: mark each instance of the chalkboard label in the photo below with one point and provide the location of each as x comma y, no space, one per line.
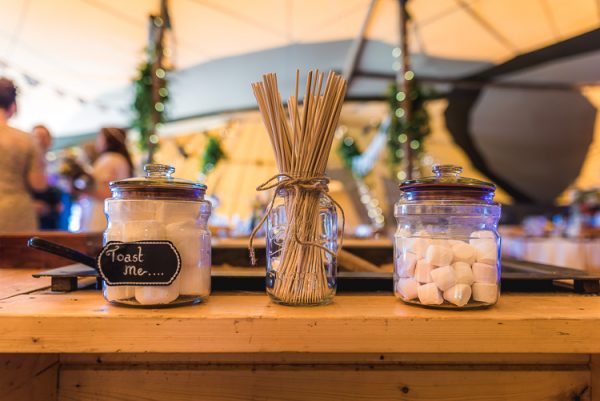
139,263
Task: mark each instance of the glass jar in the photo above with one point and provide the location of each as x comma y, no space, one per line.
302,234
447,246
161,208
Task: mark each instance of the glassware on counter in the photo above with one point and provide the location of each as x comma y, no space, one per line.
302,274
162,209
447,246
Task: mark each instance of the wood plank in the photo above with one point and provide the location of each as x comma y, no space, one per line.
15,281
15,253
82,322
26,377
532,361
595,373
321,384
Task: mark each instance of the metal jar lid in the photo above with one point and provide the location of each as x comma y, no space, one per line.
157,184
447,183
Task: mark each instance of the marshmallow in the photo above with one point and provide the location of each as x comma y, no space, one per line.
406,265
441,242
128,210
193,246
487,253
485,244
443,277
157,295
438,255
117,292
463,273
419,246
464,252
429,294
114,232
484,292
458,295
423,271
178,212
141,230
483,273
407,288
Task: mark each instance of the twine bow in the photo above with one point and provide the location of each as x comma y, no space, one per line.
287,182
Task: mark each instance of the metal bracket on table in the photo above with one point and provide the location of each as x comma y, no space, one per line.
66,278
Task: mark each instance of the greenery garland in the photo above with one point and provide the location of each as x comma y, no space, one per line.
347,150
400,130
213,153
143,106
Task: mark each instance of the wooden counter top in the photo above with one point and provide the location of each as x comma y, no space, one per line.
82,322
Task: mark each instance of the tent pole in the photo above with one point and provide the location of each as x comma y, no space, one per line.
358,46
157,38
405,84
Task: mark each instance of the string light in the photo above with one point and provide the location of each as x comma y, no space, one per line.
400,96
160,107
160,73
409,75
396,52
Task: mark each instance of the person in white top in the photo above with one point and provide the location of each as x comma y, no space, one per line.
113,163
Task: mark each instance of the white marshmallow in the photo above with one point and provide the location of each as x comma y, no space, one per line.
483,234
128,210
464,252
157,295
485,292
487,253
178,211
429,294
419,246
118,292
423,271
439,255
458,295
483,273
441,242
485,244
444,277
194,249
186,237
407,288
141,230
463,273
406,265
114,232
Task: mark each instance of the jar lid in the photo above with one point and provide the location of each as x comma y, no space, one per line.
447,183
158,183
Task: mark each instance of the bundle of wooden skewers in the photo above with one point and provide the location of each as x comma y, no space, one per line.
302,142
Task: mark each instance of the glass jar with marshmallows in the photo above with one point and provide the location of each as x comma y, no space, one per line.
447,246
157,246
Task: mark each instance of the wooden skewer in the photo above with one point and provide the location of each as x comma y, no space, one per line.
301,143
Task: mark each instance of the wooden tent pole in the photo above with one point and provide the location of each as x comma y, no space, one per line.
405,84
158,26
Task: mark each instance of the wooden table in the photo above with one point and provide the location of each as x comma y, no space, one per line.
240,346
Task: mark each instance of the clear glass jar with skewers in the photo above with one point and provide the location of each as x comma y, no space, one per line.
298,271
302,222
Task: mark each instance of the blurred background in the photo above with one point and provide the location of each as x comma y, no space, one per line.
507,89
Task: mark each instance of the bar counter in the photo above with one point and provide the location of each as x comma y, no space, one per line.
74,346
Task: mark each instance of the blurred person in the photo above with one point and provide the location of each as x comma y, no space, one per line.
113,163
22,168
48,203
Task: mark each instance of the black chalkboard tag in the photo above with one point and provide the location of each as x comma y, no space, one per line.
139,263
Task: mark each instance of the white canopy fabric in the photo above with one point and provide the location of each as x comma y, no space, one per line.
66,55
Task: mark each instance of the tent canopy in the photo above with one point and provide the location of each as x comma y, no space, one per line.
73,58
